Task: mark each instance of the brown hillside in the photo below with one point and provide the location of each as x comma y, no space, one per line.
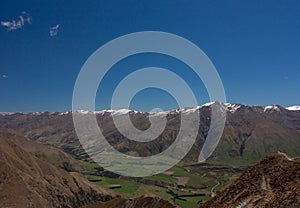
46,153
26,181
273,182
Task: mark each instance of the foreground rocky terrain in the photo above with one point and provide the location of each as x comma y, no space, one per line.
273,182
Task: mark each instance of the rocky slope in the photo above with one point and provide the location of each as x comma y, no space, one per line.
273,182
26,181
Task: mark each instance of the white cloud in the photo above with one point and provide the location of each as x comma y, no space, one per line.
13,24
54,30
4,76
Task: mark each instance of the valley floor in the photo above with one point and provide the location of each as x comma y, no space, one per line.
186,186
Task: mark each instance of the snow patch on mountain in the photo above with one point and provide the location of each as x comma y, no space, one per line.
160,113
207,104
6,113
232,107
188,111
120,112
293,108
82,111
271,108
64,113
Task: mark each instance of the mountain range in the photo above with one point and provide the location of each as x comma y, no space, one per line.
251,132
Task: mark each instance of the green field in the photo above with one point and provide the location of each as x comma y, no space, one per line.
163,178
132,189
128,187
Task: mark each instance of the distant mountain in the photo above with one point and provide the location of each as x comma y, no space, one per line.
26,181
273,182
251,132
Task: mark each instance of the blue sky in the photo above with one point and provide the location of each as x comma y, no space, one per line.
254,45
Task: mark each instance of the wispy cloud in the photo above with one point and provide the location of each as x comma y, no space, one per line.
54,30
4,76
18,23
